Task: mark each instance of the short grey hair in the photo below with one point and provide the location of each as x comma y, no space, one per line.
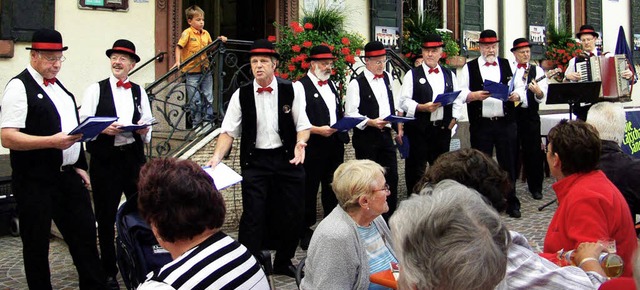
449,239
353,179
609,119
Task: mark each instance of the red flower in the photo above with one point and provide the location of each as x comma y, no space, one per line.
305,65
345,50
294,24
333,71
284,75
296,48
570,44
561,51
308,26
444,55
358,51
408,55
271,38
307,44
345,41
350,59
331,47
294,59
292,67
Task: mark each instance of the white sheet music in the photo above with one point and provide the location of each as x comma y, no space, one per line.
223,176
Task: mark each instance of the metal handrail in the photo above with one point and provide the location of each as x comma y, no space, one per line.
159,57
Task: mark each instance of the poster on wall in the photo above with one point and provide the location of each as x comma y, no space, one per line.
636,42
631,141
537,34
470,39
389,36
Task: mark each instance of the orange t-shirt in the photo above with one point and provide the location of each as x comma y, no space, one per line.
191,41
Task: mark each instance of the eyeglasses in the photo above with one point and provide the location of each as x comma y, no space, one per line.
52,59
379,62
120,58
385,188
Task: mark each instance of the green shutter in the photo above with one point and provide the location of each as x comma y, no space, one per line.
536,15
386,13
594,15
472,18
19,18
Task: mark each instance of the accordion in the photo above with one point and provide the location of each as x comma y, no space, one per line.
608,69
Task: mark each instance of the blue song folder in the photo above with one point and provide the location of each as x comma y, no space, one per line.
404,147
92,127
446,98
398,119
346,123
497,90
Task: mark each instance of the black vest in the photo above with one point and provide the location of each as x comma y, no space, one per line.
476,83
286,124
318,112
43,119
368,103
107,108
423,93
531,98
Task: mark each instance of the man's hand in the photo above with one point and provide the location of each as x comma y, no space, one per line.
452,123
113,130
144,130
478,96
574,76
514,97
377,123
298,153
429,107
63,141
85,177
627,74
223,38
324,131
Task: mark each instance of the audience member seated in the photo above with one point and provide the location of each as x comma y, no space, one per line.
449,238
353,241
622,169
590,207
185,211
526,269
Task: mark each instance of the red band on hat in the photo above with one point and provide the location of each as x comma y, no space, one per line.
123,49
489,39
262,50
375,53
46,45
432,44
323,55
586,31
521,44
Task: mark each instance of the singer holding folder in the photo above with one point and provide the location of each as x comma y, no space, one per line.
430,134
116,155
492,122
369,95
325,149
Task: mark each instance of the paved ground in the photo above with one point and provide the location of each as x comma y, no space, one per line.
533,225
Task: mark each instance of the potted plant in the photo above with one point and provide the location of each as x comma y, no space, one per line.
415,29
561,47
320,26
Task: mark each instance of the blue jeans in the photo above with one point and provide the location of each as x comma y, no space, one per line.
197,84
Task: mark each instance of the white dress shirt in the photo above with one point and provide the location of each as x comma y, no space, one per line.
520,86
326,94
379,88
267,136
14,110
123,101
491,107
436,81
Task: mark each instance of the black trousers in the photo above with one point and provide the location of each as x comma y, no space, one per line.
321,160
272,204
425,146
500,133
112,173
59,196
529,146
377,145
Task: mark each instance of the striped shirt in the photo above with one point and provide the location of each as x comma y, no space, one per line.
379,255
219,262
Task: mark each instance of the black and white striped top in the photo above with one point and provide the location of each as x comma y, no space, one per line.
219,262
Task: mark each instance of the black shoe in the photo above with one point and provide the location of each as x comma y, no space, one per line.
306,239
287,270
514,213
112,282
536,195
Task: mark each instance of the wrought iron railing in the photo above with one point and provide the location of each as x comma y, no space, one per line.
175,100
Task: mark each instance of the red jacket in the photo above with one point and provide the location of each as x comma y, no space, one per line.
590,208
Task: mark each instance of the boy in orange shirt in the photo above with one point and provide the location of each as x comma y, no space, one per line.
198,77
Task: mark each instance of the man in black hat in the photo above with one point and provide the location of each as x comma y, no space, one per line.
370,96
430,134
325,149
528,94
116,155
492,122
49,177
269,116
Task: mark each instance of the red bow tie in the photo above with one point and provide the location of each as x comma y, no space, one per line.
267,89
490,63
434,70
322,83
591,54
522,65
378,76
47,82
126,85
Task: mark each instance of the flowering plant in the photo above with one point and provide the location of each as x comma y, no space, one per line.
417,27
322,26
561,47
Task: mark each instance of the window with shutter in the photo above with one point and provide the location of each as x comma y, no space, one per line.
536,10
386,22
472,20
20,18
